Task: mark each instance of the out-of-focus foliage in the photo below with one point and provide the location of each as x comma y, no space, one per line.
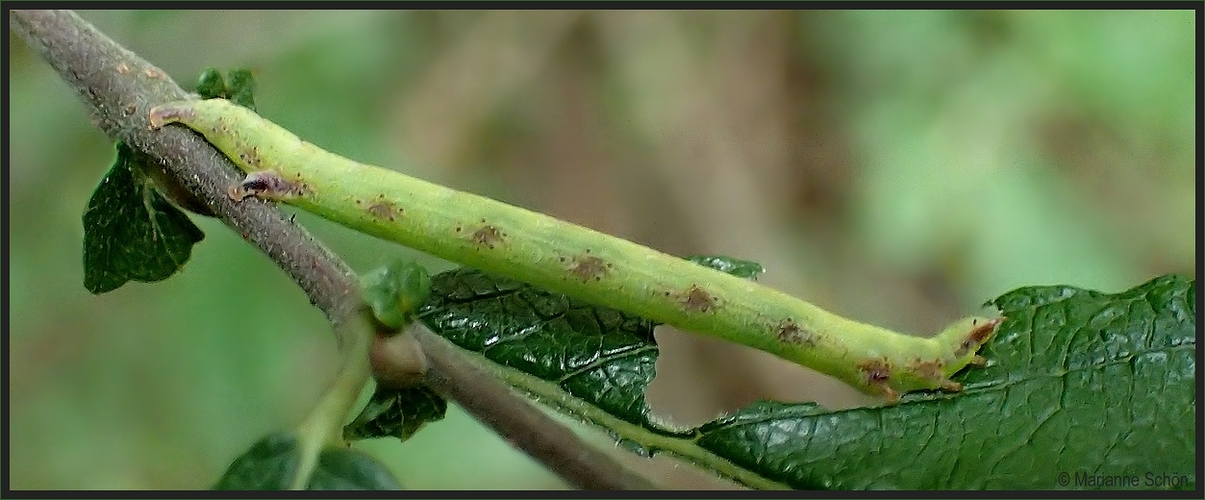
898,167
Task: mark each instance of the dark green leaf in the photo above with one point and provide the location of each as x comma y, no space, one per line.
396,412
272,463
131,232
600,355
1078,382
744,268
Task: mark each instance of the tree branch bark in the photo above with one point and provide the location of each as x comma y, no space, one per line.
120,88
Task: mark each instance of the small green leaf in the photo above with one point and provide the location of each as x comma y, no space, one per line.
1078,382
743,268
211,85
396,412
131,232
396,291
240,90
272,463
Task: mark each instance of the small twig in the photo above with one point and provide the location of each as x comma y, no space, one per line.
323,426
120,88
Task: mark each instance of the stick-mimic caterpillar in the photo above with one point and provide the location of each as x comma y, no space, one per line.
527,246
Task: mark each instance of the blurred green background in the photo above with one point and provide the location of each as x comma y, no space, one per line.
897,167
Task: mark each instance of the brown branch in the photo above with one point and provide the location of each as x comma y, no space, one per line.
120,88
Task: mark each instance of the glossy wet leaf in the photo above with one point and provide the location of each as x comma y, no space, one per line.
131,232
600,355
272,462
1077,382
743,268
396,413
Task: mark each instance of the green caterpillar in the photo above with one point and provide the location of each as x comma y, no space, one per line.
527,246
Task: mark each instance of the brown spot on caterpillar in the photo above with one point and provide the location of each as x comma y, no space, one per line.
984,332
123,68
791,333
129,110
696,299
487,236
877,373
265,184
153,73
979,334
876,370
927,369
588,267
383,209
